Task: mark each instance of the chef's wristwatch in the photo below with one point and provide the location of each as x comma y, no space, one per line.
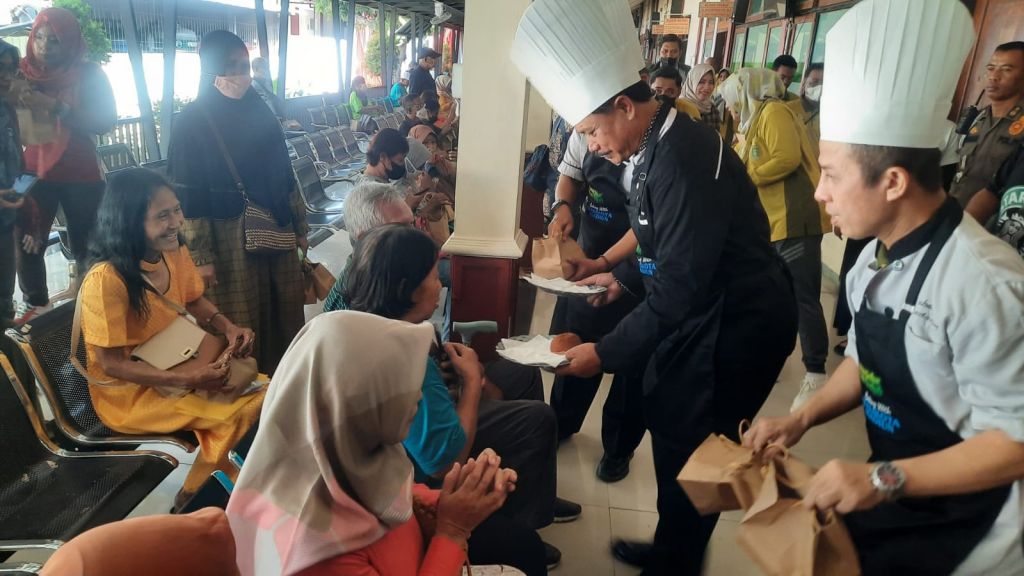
888,479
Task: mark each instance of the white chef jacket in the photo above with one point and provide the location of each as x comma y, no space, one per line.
965,347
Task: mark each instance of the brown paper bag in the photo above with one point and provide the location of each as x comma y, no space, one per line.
551,257
440,229
721,475
35,127
785,539
319,281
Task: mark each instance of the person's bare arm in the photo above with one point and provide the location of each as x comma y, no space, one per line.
983,206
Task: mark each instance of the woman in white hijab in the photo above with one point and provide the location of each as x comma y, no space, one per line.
698,89
327,487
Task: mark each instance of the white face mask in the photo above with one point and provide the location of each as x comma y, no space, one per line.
233,87
813,93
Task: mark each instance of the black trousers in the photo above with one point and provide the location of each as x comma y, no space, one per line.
756,333
622,424
503,540
844,316
80,201
521,429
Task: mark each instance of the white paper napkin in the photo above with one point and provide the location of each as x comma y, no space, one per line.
561,285
534,352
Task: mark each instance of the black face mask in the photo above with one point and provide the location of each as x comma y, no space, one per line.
670,62
396,172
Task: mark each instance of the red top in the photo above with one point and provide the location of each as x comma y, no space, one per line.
399,553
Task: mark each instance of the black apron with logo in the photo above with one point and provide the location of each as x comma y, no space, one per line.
912,535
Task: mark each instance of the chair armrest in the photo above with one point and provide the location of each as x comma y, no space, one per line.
20,568
361,136
469,329
320,126
18,545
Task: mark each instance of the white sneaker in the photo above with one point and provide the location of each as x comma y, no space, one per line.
812,382
28,312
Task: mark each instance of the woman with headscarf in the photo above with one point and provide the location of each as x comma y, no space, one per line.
698,89
75,98
439,158
327,487
262,291
780,160
449,106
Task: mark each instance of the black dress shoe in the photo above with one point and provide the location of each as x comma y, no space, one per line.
611,469
552,556
566,511
632,552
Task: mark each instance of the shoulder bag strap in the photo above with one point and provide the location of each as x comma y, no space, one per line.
224,152
76,331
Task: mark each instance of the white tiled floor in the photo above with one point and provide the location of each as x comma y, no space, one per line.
626,509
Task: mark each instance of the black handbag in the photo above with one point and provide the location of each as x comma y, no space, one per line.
263,235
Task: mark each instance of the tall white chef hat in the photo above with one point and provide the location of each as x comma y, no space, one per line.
578,53
891,67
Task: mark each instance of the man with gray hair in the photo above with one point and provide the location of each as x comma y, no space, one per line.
368,206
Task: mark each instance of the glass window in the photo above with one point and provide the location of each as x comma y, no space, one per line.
801,49
774,43
677,7
826,20
737,50
757,37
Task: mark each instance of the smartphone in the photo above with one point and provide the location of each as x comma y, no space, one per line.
24,183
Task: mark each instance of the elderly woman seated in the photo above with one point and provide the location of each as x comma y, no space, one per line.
393,273
327,487
141,273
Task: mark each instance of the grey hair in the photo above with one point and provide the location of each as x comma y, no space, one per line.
363,207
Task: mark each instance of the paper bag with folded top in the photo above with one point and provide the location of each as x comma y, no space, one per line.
318,279
786,539
721,475
551,257
35,127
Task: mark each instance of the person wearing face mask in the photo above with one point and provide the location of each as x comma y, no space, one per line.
670,53
75,98
807,105
385,164
260,291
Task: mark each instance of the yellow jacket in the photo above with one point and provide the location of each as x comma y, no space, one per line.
688,108
780,160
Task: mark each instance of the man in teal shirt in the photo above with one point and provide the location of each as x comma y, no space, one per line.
400,89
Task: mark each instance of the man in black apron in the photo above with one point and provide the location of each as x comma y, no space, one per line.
718,316
932,357
603,223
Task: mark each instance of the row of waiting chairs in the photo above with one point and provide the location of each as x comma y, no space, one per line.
58,481
339,153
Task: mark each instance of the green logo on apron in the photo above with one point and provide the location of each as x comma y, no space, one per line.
755,152
596,196
871,381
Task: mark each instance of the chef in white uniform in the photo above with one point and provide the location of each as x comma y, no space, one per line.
936,354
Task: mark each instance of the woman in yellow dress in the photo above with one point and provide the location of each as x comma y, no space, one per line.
137,249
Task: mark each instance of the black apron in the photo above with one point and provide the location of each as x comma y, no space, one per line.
603,222
913,535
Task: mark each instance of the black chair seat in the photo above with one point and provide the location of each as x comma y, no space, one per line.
334,221
59,497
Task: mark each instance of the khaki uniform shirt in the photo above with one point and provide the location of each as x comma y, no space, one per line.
987,144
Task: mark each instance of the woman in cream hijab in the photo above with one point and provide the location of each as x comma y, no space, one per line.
327,487
698,89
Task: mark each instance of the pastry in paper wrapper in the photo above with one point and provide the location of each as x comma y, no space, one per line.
533,352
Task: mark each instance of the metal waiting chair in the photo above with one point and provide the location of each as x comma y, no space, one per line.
332,116
341,152
312,190
344,118
299,147
330,168
45,343
357,143
388,106
48,494
116,156
318,117
215,491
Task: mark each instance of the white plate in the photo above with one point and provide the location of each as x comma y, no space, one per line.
540,345
562,287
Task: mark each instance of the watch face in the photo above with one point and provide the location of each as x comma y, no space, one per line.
889,477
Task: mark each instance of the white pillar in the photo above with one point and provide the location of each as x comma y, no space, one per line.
491,135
